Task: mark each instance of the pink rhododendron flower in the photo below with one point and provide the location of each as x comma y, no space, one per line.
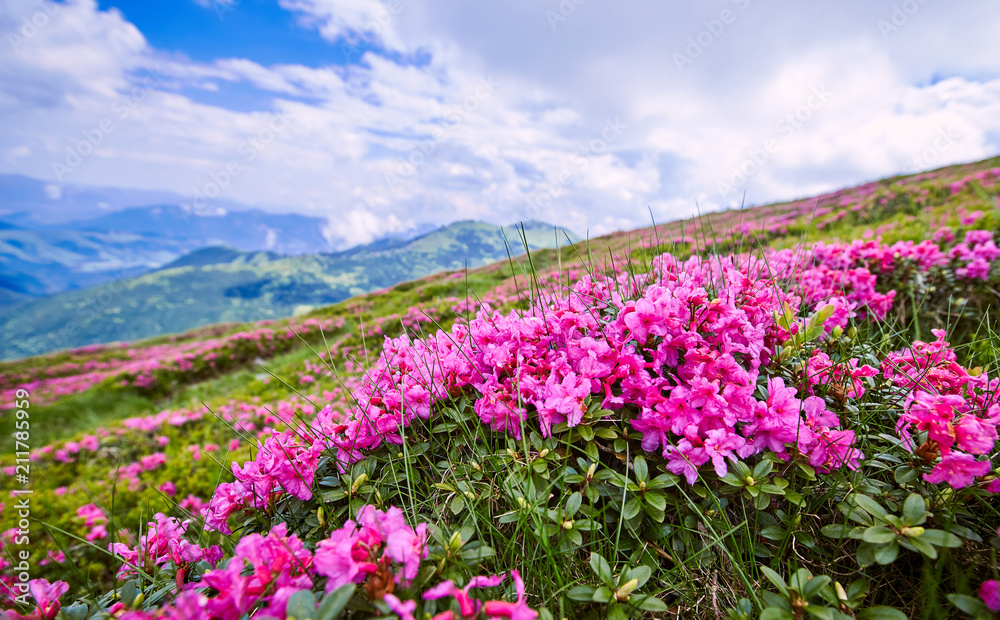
957,469
47,597
990,593
517,610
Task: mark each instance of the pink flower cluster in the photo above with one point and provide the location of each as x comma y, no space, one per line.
266,570
285,462
376,542
684,359
163,542
678,350
971,258
955,408
845,376
46,597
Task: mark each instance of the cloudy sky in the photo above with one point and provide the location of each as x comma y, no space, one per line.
586,113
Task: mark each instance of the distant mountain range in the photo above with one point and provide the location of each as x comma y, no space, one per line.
55,239
218,284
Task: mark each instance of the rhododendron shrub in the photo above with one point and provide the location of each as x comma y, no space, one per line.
379,550
681,358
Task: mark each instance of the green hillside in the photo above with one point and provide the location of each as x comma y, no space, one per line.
225,285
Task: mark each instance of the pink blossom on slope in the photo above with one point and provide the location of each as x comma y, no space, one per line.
957,469
990,593
47,597
517,610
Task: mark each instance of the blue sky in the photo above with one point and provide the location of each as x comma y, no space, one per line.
384,115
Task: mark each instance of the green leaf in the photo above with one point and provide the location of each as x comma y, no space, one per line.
335,602
814,585
128,592
774,613
656,500
974,606
821,613
301,605
640,468
741,469
881,612
914,510
773,532
602,595
879,534
457,504
586,432
924,547
858,589
762,469
794,497
776,579
632,508
941,538
601,567
868,505
646,602
733,480
838,530
663,481
581,593
655,513
886,554
617,612
866,554
573,503
642,573
904,474
475,552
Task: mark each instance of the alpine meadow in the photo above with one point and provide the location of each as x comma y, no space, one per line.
782,412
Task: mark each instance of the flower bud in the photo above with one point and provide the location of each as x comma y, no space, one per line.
455,542
623,593
363,478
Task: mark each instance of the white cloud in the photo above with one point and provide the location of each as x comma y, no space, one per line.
509,111
360,226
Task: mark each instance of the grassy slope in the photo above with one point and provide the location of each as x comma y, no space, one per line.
249,287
